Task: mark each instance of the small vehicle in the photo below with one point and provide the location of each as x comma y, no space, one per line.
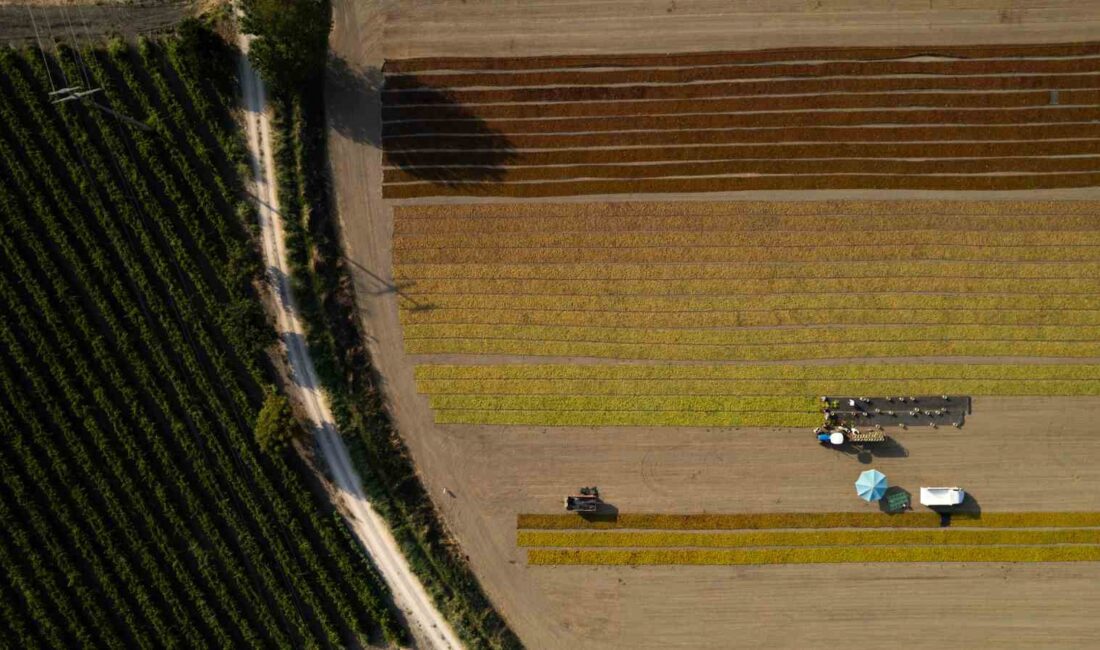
941,496
838,435
588,500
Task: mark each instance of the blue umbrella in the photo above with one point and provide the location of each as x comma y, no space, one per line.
871,485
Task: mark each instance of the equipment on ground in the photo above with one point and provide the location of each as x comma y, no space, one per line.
838,435
941,496
588,500
897,501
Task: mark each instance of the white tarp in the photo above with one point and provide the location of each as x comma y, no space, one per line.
941,496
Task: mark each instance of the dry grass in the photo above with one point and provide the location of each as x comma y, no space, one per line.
767,239
756,352
859,249
1022,99
729,72
907,136
755,120
756,302
989,183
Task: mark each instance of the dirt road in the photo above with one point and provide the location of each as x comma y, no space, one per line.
429,627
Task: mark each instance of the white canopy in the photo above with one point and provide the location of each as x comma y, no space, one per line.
941,496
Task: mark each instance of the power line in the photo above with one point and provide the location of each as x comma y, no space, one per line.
41,50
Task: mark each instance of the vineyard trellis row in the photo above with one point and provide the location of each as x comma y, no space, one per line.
133,349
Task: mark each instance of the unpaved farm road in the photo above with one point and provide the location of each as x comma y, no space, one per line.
428,626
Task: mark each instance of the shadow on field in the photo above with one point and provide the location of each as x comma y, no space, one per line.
431,137
607,513
867,452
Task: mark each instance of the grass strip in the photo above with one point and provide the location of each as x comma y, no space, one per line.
843,166
792,119
833,134
723,88
777,318
1019,99
752,286
624,403
740,56
872,537
466,222
769,352
850,269
759,336
856,249
837,385
558,418
754,302
832,150
767,520
826,555
733,184
729,72
749,239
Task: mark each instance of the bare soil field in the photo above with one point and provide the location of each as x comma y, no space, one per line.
1013,454
73,21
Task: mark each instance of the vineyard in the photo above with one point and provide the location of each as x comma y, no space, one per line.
830,538
927,282
138,510
954,118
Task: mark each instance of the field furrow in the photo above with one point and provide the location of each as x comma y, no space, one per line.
741,57
936,151
398,148
455,80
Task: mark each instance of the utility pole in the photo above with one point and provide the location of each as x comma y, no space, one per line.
76,93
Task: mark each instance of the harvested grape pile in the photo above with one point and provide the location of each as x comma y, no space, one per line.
724,310
949,118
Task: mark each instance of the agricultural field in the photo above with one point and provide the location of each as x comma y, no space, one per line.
743,300
671,355
138,510
939,118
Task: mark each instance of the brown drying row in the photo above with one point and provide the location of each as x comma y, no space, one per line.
731,184
774,152
748,56
1051,114
1020,99
992,133
866,166
778,87
730,72
904,210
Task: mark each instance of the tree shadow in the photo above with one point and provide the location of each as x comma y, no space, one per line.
428,136
353,97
